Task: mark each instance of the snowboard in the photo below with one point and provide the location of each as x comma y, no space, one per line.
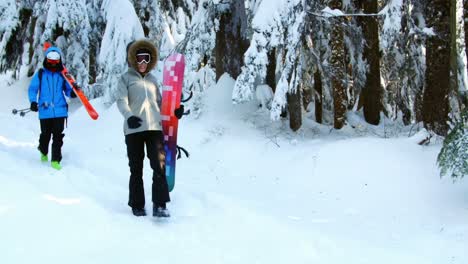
173,79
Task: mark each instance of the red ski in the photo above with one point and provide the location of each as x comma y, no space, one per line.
79,93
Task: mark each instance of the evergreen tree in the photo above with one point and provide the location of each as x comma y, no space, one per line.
66,25
285,32
231,38
319,31
339,68
453,158
15,19
117,35
96,21
436,91
371,95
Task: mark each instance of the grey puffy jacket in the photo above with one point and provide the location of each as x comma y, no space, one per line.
139,96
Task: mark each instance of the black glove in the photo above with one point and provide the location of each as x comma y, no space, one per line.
134,122
33,107
72,94
179,112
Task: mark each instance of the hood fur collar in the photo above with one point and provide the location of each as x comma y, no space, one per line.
142,44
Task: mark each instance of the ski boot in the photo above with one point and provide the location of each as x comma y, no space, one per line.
160,211
56,165
139,212
44,158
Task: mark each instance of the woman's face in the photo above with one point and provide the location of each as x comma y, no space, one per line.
142,67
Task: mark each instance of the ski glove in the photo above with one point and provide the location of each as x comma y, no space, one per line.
72,94
33,107
134,122
179,112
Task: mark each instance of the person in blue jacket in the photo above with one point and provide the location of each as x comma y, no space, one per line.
47,92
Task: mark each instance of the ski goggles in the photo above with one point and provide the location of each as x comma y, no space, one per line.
50,61
143,58
53,55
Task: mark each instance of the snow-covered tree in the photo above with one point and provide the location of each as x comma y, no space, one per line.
66,25
198,47
96,21
151,19
15,21
122,27
273,28
177,19
231,38
319,30
295,49
356,66
403,61
453,158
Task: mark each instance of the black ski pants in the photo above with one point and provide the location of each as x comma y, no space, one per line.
156,154
52,127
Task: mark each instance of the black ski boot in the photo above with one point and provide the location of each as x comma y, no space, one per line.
138,211
160,211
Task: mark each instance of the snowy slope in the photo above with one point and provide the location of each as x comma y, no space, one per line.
250,193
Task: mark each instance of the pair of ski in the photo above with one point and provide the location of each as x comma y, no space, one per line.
173,78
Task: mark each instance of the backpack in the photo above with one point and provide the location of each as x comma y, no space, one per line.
41,70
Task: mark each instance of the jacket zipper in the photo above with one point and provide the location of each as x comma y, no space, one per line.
53,95
146,100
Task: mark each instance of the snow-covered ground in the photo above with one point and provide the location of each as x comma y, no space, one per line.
251,192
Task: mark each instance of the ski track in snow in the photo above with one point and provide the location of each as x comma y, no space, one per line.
249,193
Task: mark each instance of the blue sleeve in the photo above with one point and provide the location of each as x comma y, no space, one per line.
68,88
34,88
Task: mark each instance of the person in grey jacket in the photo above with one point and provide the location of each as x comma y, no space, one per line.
139,101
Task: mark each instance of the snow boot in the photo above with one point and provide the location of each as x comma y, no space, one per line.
44,158
138,211
159,211
56,165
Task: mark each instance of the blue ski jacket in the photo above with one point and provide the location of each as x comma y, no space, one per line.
49,92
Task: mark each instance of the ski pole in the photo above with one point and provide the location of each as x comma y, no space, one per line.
15,111
23,113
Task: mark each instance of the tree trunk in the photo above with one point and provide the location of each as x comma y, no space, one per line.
465,18
293,100
372,91
453,46
231,39
436,93
338,69
14,44
318,97
271,69
306,86
295,109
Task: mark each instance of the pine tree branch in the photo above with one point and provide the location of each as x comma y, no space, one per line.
331,15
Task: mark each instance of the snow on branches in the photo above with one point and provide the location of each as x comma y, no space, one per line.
280,24
122,27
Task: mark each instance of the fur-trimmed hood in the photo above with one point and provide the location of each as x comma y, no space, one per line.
142,44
